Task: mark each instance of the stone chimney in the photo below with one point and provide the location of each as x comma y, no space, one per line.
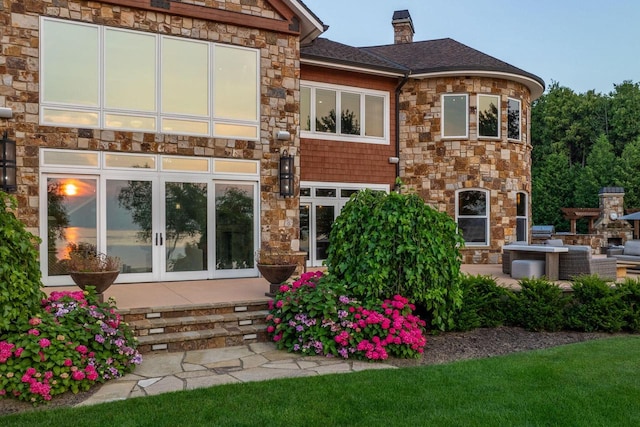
615,230
402,27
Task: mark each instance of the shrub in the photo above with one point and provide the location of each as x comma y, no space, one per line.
538,306
315,316
20,286
484,303
630,300
596,306
389,244
70,345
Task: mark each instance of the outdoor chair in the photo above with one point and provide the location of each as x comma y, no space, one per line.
578,262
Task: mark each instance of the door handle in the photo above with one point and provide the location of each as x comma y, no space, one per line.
161,240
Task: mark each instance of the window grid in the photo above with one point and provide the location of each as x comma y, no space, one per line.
72,114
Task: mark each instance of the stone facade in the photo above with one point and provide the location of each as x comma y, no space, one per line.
279,102
435,167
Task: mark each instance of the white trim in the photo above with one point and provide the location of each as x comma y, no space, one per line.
339,90
210,119
498,117
519,139
486,217
443,118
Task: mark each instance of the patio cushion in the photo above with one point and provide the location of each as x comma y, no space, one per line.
554,242
527,268
632,247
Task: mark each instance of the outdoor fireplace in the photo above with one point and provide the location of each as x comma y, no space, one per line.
614,230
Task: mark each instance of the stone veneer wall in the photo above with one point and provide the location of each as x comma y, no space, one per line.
280,56
435,168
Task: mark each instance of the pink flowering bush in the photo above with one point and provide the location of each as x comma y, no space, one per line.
315,316
72,344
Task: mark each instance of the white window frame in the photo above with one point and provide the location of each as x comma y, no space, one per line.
486,217
338,89
525,218
519,119
444,118
486,95
211,120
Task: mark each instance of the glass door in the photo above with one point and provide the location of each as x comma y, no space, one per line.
72,220
131,226
236,207
185,242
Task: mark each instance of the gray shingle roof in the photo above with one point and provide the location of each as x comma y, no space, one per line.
327,50
424,57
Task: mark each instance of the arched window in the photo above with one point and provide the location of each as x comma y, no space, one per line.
472,216
521,217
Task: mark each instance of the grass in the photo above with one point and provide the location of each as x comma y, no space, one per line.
594,383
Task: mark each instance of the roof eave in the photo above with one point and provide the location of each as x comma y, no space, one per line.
536,86
351,66
310,25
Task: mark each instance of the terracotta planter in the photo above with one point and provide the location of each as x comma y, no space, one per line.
101,280
276,275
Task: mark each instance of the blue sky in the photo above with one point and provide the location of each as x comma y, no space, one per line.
582,44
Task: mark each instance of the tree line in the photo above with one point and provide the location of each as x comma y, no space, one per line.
581,143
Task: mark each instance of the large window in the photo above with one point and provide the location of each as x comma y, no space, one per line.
513,119
488,116
362,114
109,78
521,217
455,117
472,216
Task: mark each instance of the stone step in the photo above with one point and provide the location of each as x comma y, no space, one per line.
202,339
198,326
195,323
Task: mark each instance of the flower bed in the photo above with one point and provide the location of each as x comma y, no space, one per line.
72,344
314,315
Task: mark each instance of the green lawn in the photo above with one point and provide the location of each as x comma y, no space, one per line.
595,383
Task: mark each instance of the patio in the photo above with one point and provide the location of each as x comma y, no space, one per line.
163,294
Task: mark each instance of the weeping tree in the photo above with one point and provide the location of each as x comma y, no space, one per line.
387,244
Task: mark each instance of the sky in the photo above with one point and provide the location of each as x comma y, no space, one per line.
581,44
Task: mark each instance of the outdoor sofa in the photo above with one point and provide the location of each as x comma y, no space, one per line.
630,253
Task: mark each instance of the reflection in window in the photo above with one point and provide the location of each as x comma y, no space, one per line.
325,111
305,108
186,226
234,226
150,82
513,119
130,71
71,218
350,106
521,217
361,114
454,116
488,116
472,216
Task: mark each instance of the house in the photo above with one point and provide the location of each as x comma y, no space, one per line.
156,130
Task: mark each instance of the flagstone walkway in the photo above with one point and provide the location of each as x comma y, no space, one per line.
166,372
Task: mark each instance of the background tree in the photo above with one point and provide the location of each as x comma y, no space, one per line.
628,173
599,172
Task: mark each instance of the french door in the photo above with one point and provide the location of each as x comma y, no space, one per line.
162,226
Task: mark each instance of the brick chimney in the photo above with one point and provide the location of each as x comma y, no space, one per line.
402,27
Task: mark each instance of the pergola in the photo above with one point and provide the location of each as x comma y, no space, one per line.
574,214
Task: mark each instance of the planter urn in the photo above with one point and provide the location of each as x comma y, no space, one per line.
276,275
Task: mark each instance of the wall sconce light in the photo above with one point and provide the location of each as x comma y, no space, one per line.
394,160
286,174
7,164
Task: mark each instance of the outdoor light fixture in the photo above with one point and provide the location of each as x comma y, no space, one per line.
286,174
7,164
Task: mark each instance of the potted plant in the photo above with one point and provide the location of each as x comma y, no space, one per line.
88,267
276,266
